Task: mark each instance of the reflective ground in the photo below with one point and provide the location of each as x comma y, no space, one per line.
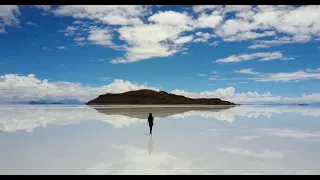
228,140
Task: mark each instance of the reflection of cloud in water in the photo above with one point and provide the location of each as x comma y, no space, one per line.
133,160
252,112
244,152
137,161
180,150
25,117
15,118
290,133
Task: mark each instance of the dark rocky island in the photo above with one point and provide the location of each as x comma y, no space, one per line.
150,97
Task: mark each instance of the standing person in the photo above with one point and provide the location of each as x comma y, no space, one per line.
150,122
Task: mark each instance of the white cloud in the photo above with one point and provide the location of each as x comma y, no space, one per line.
281,19
14,87
235,83
209,21
108,14
214,77
184,39
248,97
215,43
271,20
246,71
164,33
201,75
46,48
172,18
290,76
101,37
202,37
264,56
248,36
280,41
256,46
43,7
8,16
100,60
106,78
201,8
79,39
300,75
161,38
61,47
70,30
31,23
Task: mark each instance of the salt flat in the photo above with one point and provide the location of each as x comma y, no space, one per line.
186,140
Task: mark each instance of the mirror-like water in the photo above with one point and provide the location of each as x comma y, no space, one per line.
231,140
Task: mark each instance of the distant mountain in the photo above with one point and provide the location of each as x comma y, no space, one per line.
46,101
72,101
150,97
43,102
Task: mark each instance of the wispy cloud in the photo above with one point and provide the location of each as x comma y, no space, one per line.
282,76
235,83
246,71
31,23
46,48
201,75
99,60
265,56
289,76
61,47
214,77
43,7
280,41
106,78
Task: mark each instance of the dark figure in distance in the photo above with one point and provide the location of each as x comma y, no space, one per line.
150,122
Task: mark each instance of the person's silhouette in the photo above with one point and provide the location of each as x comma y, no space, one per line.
150,122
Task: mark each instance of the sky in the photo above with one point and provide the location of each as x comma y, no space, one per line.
240,53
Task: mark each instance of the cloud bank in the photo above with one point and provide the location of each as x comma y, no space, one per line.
15,87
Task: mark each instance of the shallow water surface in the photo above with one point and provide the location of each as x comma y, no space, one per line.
99,140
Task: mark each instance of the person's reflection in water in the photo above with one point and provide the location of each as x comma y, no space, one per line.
150,122
150,145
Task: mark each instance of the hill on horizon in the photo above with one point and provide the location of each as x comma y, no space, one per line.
151,97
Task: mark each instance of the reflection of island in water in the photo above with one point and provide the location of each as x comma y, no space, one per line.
160,111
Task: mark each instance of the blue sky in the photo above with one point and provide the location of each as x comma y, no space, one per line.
238,53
